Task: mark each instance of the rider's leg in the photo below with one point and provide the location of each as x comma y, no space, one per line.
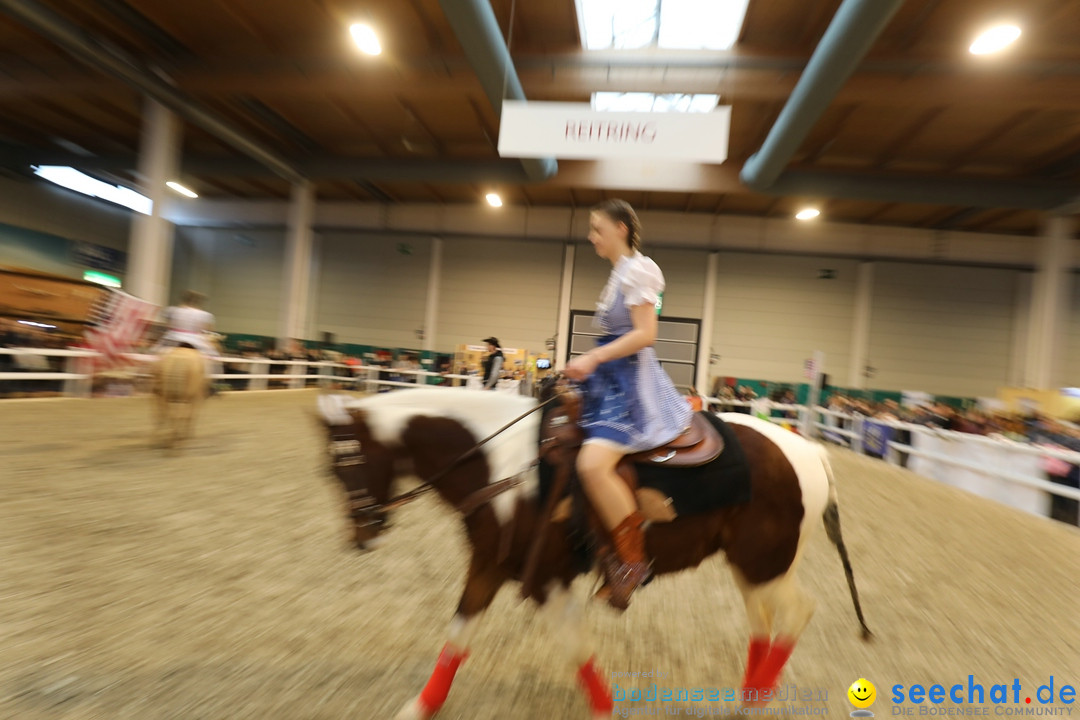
617,509
606,490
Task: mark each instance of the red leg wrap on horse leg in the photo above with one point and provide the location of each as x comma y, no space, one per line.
599,693
768,673
438,686
759,649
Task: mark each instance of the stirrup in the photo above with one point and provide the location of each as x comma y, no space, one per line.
617,575
625,579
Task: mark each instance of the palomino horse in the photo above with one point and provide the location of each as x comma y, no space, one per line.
436,433
179,389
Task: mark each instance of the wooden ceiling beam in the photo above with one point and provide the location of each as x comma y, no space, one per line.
815,27
414,118
1051,163
907,38
355,118
884,208
202,181
266,188
812,152
26,132
767,121
116,140
224,185
380,190
490,134
1008,125
989,218
905,136
951,218
242,18
350,189
972,89
435,193
431,33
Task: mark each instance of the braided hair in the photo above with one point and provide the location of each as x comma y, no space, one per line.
619,211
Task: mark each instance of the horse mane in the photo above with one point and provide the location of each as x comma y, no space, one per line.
480,412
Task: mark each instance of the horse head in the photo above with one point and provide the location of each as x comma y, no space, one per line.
436,435
362,464
565,401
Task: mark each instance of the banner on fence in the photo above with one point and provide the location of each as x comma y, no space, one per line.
876,437
121,323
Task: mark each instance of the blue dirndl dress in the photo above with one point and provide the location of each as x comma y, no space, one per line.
631,403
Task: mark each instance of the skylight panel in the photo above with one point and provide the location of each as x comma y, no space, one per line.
653,102
618,24
700,24
672,24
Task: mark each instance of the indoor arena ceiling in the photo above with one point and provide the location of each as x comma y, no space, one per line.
923,134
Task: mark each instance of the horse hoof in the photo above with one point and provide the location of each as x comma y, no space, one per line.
414,710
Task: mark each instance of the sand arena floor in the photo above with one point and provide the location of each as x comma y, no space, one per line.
217,585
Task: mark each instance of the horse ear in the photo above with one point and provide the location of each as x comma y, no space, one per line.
333,411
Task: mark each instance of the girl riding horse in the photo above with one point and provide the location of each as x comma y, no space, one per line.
630,404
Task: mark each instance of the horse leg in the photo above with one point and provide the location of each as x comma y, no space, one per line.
161,419
191,410
480,589
760,618
187,412
564,613
791,609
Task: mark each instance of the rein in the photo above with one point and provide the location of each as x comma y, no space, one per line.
480,497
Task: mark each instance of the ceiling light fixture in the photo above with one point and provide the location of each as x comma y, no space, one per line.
995,39
365,38
807,214
181,189
494,200
80,182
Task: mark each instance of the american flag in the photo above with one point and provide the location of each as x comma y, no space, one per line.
119,325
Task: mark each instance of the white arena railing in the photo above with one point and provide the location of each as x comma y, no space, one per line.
963,446
994,467
1001,469
77,377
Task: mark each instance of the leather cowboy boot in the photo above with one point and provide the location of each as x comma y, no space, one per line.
631,569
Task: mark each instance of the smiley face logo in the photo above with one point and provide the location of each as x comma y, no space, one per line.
862,693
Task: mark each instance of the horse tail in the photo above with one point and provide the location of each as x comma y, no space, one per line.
831,517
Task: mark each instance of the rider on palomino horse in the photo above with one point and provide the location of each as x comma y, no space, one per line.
630,404
189,326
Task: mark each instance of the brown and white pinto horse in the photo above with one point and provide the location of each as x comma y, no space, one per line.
426,431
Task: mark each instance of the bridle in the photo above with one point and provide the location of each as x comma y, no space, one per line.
348,452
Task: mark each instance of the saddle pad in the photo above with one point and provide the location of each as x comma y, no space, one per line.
722,482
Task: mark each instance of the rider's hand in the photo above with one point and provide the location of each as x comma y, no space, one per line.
581,367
